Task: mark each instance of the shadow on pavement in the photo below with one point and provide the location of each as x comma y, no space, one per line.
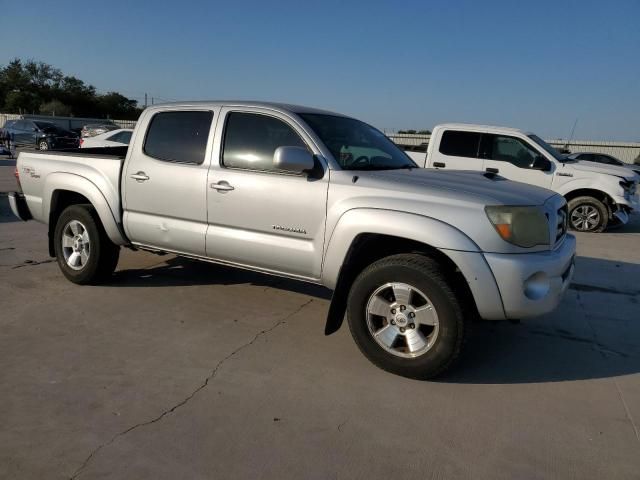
574,343
509,354
594,334
632,226
6,215
177,271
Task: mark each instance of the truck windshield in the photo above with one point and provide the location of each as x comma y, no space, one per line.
356,145
548,148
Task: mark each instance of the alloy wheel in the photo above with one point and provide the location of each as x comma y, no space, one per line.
585,217
402,320
76,245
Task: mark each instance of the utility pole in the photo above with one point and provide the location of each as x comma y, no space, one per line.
151,100
145,100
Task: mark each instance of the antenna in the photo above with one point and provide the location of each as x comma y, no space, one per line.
572,132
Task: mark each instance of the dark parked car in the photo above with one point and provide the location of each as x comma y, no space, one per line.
44,135
602,158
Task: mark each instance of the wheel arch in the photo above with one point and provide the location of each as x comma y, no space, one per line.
588,192
64,190
599,195
363,237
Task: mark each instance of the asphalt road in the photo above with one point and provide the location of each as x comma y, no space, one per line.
184,370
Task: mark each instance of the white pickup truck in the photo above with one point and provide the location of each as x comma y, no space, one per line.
598,195
412,255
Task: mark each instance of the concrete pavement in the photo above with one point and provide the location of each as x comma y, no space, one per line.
178,369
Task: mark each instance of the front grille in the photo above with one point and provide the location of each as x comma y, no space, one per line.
561,222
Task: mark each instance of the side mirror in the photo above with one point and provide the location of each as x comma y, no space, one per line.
293,159
541,163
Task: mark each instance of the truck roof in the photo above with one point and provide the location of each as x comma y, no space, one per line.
282,107
476,127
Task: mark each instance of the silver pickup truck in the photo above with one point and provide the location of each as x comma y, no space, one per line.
412,255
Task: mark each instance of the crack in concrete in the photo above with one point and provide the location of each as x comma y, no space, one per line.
183,402
30,263
565,335
580,287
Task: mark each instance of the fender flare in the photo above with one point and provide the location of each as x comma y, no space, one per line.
430,231
83,186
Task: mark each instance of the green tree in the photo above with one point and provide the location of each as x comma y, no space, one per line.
116,105
30,86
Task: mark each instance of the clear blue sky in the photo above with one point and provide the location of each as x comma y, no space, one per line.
397,64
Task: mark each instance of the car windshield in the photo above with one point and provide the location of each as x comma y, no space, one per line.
356,145
549,149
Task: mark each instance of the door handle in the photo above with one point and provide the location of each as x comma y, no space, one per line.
439,164
222,186
140,177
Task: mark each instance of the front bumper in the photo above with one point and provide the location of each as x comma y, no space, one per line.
533,284
19,206
631,201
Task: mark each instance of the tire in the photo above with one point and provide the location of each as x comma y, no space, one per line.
43,145
96,259
588,214
436,346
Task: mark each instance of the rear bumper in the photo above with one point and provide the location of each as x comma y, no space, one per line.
19,206
533,284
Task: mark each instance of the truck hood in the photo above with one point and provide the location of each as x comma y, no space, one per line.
594,167
461,184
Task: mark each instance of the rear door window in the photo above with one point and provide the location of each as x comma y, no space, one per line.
460,144
179,136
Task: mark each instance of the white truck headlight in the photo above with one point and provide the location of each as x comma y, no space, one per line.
521,226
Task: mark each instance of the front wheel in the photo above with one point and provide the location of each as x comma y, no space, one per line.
43,145
588,214
405,317
84,252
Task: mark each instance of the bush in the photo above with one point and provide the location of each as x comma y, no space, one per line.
55,107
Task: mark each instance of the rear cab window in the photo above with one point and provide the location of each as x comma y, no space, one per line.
460,144
178,136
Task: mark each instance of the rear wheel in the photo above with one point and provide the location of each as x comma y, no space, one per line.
405,317
588,214
83,250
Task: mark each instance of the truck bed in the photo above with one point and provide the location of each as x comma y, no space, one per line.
117,153
42,172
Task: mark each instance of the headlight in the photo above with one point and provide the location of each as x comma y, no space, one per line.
522,226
